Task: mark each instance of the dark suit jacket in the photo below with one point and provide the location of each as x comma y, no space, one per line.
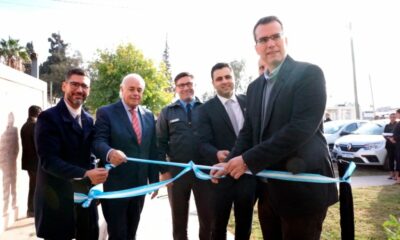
29,156
292,138
215,130
113,129
64,154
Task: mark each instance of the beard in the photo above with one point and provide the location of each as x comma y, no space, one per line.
76,103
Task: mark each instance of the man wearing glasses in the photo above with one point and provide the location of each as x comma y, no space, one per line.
177,143
63,137
283,131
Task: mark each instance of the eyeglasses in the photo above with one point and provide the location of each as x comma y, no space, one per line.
76,85
182,85
275,37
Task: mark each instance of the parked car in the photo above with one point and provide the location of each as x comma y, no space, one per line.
364,146
338,128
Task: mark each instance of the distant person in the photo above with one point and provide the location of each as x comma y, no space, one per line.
327,117
262,66
391,147
396,141
283,131
177,143
29,155
126,129
220,121
64,135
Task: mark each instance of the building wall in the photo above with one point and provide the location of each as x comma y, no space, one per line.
18,91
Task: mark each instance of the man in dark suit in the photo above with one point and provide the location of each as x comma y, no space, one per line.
63,137
177,143
29,155
220,120
283,131
126,129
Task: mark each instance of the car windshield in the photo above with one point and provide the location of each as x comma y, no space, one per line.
370,129
332,127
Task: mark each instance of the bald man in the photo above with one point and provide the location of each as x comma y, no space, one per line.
126,129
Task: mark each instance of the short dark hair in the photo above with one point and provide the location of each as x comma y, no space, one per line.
33,111
398,111
266,20
181,75
219,66
75,71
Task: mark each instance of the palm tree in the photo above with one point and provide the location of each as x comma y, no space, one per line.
14,54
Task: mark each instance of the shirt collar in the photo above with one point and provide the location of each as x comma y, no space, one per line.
127,108
224,100
183,103
74,112
273,75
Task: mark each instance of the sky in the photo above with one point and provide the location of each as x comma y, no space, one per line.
202,33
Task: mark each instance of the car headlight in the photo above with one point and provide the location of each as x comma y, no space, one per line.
374,146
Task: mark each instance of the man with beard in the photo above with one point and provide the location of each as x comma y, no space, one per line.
63,136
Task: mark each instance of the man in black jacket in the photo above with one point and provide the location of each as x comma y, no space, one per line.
220,120
177,143
29,155
283,131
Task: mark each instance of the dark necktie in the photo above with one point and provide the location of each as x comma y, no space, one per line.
77,118
189,113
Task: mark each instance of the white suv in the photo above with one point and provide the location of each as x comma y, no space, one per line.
364,146
338,128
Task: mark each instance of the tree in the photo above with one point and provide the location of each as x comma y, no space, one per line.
167,66
241,78
57,64
111,66
13,53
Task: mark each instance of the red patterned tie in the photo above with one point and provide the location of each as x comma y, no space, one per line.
136,125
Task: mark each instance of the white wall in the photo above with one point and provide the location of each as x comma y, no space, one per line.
18,91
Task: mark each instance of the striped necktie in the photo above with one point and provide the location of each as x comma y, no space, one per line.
136,125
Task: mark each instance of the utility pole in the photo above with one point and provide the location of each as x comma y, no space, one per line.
372,93
356,105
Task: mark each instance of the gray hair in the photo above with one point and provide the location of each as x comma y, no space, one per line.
132,76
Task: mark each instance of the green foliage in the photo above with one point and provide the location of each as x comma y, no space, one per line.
241,78
13,53
110,68
57,64
392,228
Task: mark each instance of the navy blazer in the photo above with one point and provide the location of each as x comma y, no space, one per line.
291,139
113,130
64,153
215,130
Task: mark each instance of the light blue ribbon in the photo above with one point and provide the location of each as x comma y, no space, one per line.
97,192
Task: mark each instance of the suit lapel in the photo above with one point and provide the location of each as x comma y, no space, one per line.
280,82
144,122
67,118
220,109
242,104
257,102
124,119
87,124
